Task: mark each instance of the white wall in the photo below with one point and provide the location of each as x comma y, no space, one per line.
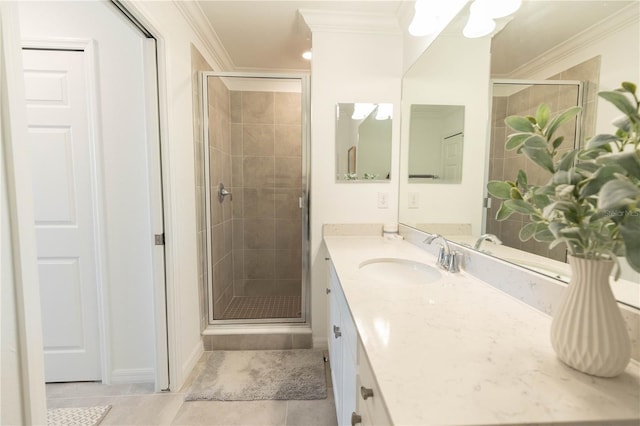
175,36
441,77
347,67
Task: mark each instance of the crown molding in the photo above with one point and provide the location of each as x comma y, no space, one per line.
350,22
199,23
586,38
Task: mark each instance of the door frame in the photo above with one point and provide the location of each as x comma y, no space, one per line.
87,46
305,90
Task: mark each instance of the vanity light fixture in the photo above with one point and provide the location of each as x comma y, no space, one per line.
307,55
425,19
483,14
479,24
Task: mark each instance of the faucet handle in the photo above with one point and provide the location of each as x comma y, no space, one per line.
453,263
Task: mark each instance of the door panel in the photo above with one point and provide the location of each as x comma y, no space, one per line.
57,104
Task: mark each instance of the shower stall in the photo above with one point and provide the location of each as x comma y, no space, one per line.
522,97
253,203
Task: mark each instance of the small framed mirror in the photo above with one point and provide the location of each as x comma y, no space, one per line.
436,142
363,142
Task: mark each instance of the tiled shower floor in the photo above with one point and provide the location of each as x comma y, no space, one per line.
263,307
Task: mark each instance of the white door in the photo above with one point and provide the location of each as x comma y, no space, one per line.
62,164
452,158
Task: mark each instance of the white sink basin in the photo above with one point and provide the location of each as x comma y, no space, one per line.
399,271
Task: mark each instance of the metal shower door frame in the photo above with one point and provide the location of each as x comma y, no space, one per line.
304,196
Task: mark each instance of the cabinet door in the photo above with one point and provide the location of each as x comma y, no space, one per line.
335,352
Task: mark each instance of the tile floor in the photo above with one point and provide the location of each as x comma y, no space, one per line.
137,404
263,307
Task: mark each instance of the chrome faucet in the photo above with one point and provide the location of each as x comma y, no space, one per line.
447,260
489,237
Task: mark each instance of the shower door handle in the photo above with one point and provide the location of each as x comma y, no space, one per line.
222,192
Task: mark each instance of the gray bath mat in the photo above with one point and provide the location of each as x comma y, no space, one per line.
84,416
255,375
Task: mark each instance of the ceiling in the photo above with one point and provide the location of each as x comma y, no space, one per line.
271,35
540,25
267,35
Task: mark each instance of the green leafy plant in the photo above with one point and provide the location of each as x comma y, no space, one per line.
591,201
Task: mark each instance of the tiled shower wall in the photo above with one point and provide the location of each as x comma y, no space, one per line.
221,211
504,165
266,162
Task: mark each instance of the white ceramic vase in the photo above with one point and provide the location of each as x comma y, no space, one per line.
588,332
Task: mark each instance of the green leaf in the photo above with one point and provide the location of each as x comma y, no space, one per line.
520,206
522,179
560,119
541,157
515,194
499,189
617,193
504,212
527,231
630,231
567,160
629,87
543,236
542,115
629,160
515,140
557,142
599,140
519,124
620,101
536,141
602,175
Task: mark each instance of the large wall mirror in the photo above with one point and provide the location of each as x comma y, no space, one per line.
363,142
436,141
538,56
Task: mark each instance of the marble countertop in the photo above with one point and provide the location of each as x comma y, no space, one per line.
459,351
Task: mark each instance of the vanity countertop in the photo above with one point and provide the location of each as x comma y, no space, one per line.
459,351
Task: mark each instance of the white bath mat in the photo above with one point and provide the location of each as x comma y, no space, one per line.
83,416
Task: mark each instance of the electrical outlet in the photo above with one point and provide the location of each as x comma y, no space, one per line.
383,200
414,200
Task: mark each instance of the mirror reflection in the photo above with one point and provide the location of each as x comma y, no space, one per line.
436,139
539,56
363,142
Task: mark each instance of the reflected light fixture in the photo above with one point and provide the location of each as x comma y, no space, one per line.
480,23
425,19
307,55
384,111
362,110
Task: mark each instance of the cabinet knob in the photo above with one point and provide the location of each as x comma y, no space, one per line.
366,392
328,290
336,331
355,419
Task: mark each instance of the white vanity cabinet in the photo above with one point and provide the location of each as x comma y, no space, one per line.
353,379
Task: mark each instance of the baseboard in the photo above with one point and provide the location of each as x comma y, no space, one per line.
133,375
320,343
191,362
